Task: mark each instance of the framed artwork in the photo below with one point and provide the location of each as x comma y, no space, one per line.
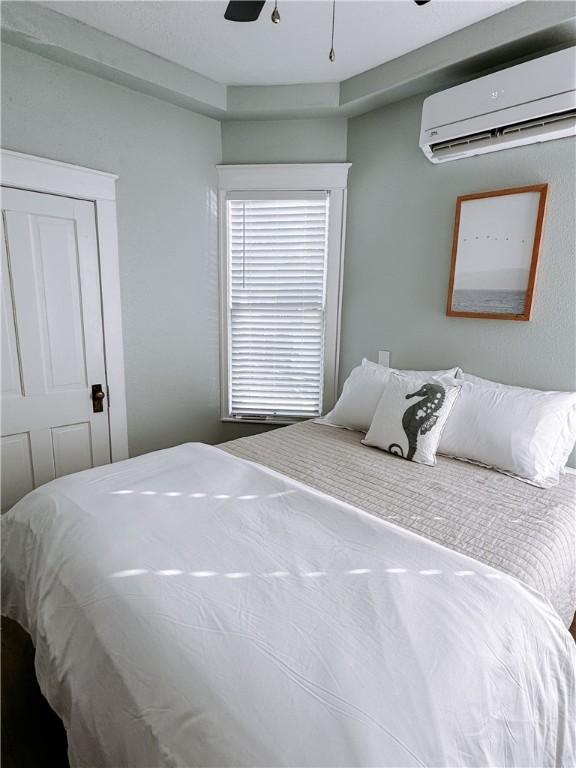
497,239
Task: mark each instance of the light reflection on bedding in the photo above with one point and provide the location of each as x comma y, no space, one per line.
307,574
200,495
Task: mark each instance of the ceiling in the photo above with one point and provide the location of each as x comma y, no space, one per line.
194,34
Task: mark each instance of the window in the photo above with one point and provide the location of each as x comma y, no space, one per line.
281,264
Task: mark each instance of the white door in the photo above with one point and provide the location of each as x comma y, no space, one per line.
53,422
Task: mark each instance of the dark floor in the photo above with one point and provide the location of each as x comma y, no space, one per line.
32,735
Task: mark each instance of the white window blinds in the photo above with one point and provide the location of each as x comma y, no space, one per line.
277,257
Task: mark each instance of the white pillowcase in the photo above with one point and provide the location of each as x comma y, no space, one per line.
411,415
479,380
362,391
527,433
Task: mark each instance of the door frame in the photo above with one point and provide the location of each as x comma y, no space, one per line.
39,174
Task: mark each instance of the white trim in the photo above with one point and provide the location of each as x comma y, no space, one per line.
333,396
39,174
329,177
570,470
285,176
112,324
223,308
334,273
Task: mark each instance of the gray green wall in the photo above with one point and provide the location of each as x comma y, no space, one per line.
398,246
165,157
399,234
399,239
285,141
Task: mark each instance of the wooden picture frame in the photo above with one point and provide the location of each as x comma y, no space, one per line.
495,252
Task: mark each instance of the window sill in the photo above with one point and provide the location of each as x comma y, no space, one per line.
274,420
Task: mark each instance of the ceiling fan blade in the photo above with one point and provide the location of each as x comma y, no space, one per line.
243,10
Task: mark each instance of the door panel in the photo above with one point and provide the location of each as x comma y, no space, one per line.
11,376
17,472
42,456
53,349
72,448
57,286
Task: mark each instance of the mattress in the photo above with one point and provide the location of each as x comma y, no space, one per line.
527,532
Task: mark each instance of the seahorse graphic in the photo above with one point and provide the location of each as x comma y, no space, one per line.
419,418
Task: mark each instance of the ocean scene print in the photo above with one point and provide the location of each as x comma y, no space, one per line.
493,271
489,302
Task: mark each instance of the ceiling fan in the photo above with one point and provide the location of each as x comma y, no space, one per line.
244,10
249,10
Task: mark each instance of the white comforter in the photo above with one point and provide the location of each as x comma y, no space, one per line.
192,609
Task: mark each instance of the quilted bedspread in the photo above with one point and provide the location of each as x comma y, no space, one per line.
527,532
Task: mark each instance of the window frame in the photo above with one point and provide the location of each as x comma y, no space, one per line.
285,178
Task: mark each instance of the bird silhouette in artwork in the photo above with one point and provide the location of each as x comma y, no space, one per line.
420,418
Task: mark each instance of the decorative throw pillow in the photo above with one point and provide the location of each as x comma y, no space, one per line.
411,415
362,391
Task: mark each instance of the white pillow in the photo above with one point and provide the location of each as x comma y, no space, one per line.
483,382
411,415
527,433
361,393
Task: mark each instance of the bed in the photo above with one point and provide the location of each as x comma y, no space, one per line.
265,603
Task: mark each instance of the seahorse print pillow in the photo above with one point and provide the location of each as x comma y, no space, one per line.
411,415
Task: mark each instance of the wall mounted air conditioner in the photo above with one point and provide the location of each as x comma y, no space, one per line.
524,104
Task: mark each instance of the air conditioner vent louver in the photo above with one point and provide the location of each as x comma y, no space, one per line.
462,141
560,121
540,123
